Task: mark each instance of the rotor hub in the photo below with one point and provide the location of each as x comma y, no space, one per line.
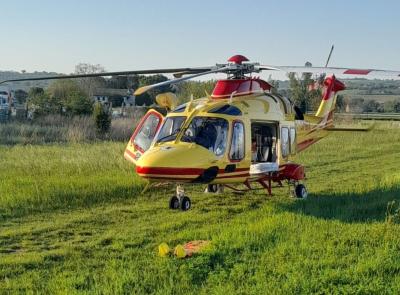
238,59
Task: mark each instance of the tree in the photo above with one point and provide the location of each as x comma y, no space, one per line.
371,106
72,98
148,97
340,103
89,85
117,82
303,91
356,104
392,106
198,89
274,84
77,103
397,107
43,103
132,81
35,91
20,96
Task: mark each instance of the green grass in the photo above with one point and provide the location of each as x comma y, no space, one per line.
73,221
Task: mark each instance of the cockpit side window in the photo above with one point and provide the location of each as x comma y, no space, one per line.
237,150
145,136
210,133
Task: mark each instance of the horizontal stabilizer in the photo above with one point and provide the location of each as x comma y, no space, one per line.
354,129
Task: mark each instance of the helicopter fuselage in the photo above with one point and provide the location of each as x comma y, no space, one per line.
242,131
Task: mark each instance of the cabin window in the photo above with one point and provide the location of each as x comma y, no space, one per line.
210,133
170,129
292,140
236,152
226,110
146,133
263,141
285,148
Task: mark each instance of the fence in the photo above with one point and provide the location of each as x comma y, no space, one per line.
370,116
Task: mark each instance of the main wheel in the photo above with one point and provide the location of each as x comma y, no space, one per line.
301,191
174,203
212,188
185,203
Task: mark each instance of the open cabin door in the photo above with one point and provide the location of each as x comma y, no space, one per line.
143,135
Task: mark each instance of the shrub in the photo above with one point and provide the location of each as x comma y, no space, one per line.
102,118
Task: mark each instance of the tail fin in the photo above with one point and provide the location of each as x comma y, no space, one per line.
331,87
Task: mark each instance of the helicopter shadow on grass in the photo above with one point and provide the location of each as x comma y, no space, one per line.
348,207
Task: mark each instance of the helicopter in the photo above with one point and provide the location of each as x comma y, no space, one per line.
241,133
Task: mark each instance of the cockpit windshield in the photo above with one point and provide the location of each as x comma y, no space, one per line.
208,132
170,129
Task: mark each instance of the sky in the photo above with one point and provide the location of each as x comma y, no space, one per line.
46,35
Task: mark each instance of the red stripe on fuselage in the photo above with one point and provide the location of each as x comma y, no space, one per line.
175,173
168,177
222,171
130,153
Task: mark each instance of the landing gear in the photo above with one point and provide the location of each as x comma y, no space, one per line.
180,200
185,203
300,191
214,188
174,203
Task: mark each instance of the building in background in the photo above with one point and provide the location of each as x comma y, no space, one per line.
117,97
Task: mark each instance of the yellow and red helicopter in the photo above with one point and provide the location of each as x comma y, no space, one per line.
241,133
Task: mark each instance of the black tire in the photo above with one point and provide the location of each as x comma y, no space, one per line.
212,188
185,203
174,203
301,191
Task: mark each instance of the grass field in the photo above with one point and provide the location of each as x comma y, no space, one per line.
73,221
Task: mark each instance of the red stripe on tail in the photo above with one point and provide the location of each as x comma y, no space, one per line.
357,72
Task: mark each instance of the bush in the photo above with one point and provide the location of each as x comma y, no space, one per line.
102,118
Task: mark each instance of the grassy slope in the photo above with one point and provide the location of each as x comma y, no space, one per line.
72,220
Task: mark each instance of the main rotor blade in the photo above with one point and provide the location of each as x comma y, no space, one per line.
343,72
105,74
268,68
143,89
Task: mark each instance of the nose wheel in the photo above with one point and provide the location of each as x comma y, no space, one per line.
180,200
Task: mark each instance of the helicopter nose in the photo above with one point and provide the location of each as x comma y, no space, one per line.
178,163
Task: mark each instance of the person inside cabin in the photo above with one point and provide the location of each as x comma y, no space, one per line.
207,136
253,150
272,156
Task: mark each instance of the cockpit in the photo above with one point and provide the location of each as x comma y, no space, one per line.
208,132
205,126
